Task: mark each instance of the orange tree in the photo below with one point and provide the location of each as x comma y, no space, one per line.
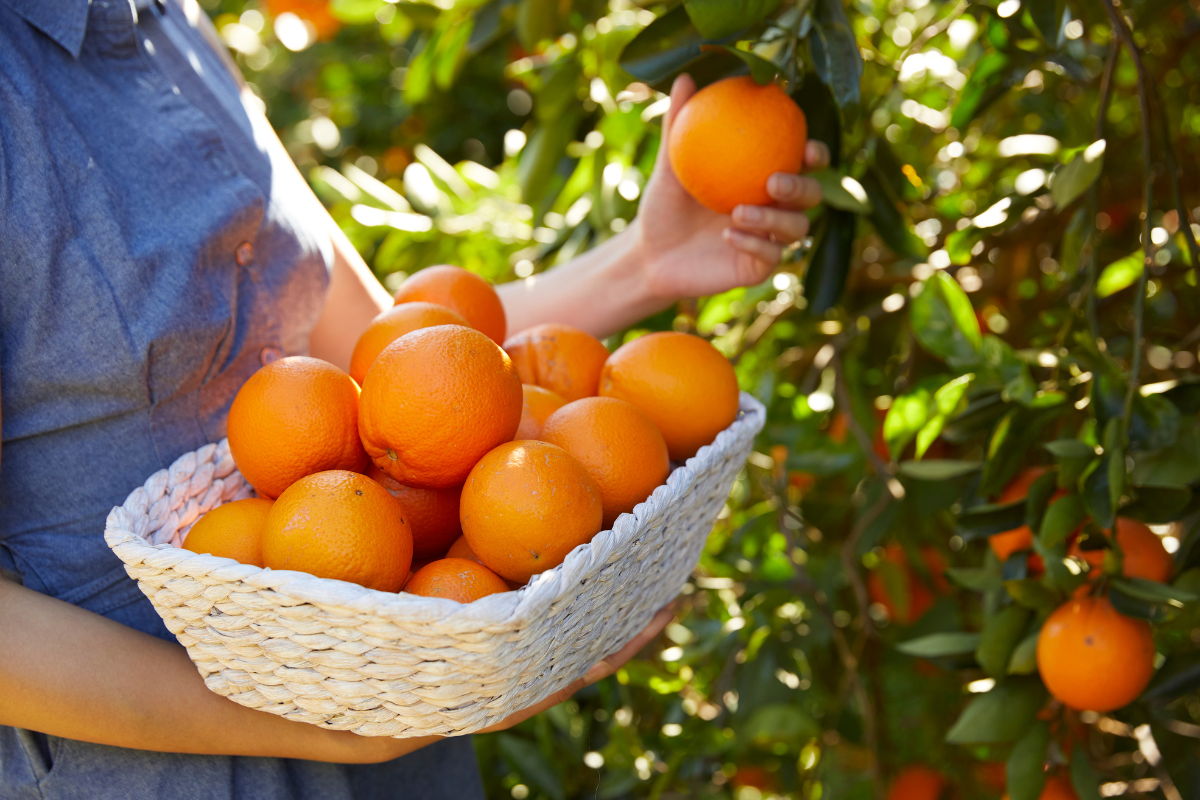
990,335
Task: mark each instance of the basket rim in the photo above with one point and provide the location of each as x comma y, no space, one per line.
502,610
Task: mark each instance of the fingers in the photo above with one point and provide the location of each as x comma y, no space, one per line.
794,191
816,156
784,225
754,246
610,664
682,89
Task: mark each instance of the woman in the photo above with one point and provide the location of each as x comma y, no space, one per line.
157,246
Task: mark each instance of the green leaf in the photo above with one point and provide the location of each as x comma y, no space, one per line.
1047,16
986,520
948,401
540,157
944,321
1073,179
1023,660
355,12
829,266
937,470
1000,636
1070,448
977,579
1121,274
1153,591
531,764
1038,498
1138,608
761,70
1030,593
1158,505
1026,768
842,191
1177,464
835,54
779,723
1061,519
663,48
982,87
1096,496
889,222
908,414
1083,777
939,645
1001,715
716,19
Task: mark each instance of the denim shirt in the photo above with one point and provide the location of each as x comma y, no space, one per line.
157,246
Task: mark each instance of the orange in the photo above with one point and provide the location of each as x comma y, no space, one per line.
314,11
1058,787
456,579
461,291
461,549
560,358
916,597
435,401
1144,554
525,506
1092,658
233,530
393,323
1018,539
340,525
618,446
294,417
752,775
731,136
681,382
916,783
539,404
432,514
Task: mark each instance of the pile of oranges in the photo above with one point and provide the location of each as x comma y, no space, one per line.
451,461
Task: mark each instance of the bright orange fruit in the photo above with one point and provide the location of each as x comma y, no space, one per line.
393,323
538,404
294,417
455,579
525,506
916,783
560,358
681,382
1144,554
460,291
342,525
432,514
435,401
233,530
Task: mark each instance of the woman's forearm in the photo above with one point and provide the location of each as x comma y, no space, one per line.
601,291
68,672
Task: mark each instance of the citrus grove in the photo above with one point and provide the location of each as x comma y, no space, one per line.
962,560
462,468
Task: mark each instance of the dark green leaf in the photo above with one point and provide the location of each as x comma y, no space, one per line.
937,470
529,761
1000,636
779,723
664,48
1083,777
939,645
1061,519
981,412
1185,397
1096,496
1153,591
944,321
1138,608
761,70
1176,464
835,54
980,89
1180,675
1070,448
1026,768
1073,179
1158,505
1073,240
842,191
1038,498
716,19
889,222
977,579
1001,715
1047,16
1120,274
830,263
541,155
990,519
1030,593
1023,660
537,21
1019,430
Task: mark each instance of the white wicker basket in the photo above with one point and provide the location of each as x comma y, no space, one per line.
341,656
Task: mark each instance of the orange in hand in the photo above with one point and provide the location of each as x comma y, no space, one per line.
525,506
730,137
539,404
233,530
340,525
461,291
432,514
455,579
618,446
294,417
1092,658
393,323
560,358
435,401
681,382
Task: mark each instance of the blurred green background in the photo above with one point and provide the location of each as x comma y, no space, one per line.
974,288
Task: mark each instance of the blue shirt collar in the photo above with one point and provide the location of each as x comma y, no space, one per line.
64,21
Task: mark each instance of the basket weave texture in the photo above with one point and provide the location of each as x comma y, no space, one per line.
345,657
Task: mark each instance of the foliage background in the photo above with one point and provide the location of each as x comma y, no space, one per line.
507,136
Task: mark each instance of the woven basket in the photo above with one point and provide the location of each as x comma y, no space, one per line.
344,657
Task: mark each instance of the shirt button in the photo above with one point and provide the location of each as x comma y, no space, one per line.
270,354
244,254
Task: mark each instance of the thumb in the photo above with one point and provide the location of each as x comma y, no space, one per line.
682,89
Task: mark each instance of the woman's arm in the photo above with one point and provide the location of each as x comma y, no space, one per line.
355,296
68,672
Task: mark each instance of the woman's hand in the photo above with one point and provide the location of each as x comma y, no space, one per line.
691,251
